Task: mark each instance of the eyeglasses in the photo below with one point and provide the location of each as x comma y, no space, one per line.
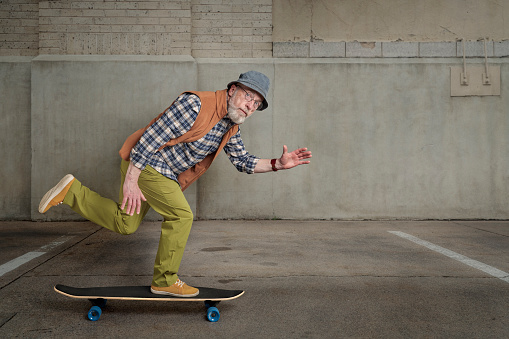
250,97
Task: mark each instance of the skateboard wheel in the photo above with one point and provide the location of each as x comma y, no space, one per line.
95,313
213,314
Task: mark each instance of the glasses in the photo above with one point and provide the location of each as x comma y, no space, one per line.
250,97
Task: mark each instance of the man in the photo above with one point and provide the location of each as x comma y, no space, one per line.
161,160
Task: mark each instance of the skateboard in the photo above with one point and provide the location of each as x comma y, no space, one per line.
99,295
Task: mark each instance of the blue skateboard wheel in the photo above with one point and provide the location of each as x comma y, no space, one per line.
213,314
95,313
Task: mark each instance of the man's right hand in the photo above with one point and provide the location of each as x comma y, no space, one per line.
132,193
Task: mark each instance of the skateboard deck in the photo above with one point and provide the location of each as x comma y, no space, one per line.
99,295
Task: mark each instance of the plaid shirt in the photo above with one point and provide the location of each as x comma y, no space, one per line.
173,160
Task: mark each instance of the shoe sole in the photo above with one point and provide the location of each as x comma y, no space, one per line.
52,193
174,294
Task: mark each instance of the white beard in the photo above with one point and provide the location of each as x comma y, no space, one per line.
233,111
235,115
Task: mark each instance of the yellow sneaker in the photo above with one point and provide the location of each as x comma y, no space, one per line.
178,289
56,195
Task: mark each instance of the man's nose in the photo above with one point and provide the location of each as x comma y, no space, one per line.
251,106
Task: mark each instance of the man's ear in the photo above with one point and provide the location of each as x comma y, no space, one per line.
232,89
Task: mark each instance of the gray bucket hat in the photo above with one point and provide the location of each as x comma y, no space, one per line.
256,81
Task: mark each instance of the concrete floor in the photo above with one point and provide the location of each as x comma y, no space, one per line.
303,279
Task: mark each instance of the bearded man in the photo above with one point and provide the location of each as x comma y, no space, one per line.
161,160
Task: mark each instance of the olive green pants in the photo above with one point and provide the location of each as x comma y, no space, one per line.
164,196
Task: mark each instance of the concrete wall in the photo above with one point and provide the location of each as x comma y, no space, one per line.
242,28
389,20
388,140
211,28
15,137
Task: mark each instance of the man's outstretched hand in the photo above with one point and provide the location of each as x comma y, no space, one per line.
292,159
288,160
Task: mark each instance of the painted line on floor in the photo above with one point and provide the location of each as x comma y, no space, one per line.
495,272
21,260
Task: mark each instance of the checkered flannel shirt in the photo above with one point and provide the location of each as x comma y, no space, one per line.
173,160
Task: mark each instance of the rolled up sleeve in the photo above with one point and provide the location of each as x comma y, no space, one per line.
238,156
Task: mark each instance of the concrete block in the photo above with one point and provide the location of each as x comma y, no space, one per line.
474,49
363,49
501,48
400,49
320,49
290,49
437,49
262,53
